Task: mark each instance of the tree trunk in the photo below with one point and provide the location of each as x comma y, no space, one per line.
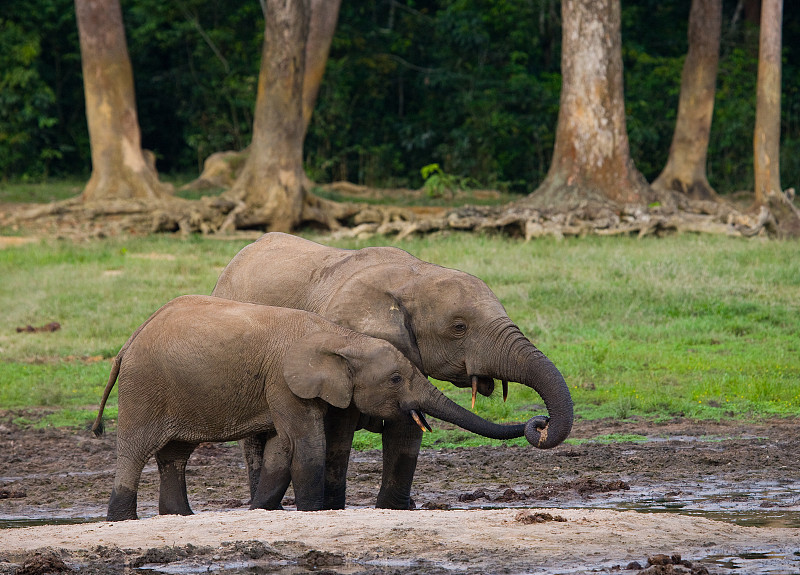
270,186
766,141
766,144
685,171
322,25
221,168
120,168
271,189
591,158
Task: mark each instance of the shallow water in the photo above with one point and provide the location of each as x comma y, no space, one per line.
761,504
16,522
761,563
770,503
767,562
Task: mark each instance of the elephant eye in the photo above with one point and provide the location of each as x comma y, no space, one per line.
459,328
396,379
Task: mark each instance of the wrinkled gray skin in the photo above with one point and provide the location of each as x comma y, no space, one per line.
448,323
208,369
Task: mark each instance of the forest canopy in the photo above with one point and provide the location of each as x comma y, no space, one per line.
470,85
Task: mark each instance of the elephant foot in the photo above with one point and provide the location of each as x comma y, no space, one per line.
174,511
268,500
122,505
395,501
335,497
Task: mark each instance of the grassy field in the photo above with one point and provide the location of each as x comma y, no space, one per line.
684,326
64,189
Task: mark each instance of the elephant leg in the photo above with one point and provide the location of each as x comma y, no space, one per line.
275,474
308,472
122,503
253,451
296,454
171,459
340,425
401,443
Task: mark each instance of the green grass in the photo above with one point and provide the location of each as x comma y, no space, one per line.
40,192
57,190
686,326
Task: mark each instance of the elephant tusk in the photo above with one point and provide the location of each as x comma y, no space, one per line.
505,391
474,390
420,419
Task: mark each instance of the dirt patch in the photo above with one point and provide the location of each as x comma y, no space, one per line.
724,497
14,241
50,327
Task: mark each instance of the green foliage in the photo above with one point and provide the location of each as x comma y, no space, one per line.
400,78
42,120
470,85
438,184
196,68
735,113
26,105
651,103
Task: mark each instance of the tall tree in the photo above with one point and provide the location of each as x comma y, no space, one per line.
271,188
685,171
766,141
321,27
120,168
591,158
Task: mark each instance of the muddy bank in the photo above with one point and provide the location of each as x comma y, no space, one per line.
725,497
370,540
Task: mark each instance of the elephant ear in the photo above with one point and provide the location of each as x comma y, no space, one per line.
314,367
377,312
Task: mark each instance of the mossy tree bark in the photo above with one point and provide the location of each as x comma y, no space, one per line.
685,170
766,141
591,158
120,168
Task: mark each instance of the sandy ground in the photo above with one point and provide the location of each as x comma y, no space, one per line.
479,510
471,541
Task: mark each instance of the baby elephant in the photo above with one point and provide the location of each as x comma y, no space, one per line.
208,369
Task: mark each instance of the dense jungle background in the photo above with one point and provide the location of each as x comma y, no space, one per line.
471,85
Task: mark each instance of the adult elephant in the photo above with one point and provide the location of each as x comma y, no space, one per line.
447,322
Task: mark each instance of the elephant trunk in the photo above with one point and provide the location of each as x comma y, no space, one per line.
548,382
520,361
436,404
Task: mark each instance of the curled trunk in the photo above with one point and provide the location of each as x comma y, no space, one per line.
520,361
541,375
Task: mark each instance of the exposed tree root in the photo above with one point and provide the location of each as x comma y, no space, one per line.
217,216
783,216
518,220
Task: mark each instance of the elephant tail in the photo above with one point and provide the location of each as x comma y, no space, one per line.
98,427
